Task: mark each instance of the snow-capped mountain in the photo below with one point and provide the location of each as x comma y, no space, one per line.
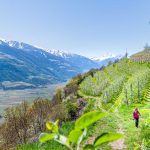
25,65
18,45
75,59
59,53
106,58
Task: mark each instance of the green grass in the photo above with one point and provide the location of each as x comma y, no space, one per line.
52,145
132,134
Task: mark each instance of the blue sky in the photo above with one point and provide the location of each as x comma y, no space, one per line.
88,27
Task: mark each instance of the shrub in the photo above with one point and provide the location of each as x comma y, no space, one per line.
15,129
58,97
72,110
24,121
58,112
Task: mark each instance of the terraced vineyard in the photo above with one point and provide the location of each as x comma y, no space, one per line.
143,56
147,94
125,80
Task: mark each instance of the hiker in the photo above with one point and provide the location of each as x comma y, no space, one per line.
136,115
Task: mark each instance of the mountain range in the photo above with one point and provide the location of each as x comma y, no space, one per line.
26,66
107,58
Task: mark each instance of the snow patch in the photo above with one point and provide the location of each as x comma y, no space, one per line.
60,53
3,40
106,56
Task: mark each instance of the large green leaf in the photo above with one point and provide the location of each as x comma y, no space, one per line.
81,137
44,137
88,147
75,135
88,119
52,126
107,137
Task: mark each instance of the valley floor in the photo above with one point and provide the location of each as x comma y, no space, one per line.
13,97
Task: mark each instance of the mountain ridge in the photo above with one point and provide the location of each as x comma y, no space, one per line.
21,62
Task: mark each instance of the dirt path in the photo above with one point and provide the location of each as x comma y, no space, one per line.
90,140
116,145
119,144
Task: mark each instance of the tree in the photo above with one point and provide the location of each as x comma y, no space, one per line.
15,128
57,98
146,46
126,54
39,112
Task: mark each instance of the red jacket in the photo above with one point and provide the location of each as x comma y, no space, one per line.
136,114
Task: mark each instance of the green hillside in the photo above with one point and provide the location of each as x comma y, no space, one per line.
117,90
